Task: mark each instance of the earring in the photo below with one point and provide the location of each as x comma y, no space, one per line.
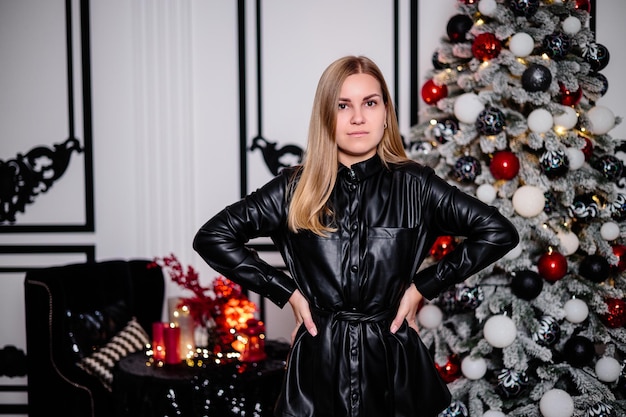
385,125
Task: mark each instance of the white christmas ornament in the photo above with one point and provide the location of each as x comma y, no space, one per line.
528,201
521,44
540,121
499,331
576,158
467,107
486,193
515,252
494,413
601,120
556,403
608,369
566,120
568,242
576,310
571,25
430,316
609,231
487,7
473,368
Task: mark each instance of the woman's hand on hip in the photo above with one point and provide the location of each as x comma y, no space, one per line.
302,314
407,310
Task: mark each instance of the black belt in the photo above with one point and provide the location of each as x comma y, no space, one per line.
324,399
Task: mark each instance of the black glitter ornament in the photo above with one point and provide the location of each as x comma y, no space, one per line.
557,45
550,204
595,268
455,409
490,121
578,351
554,163
525,8
512,383
600,410
618,208
605,83
460,299
536,77
466,169
437,64
469,298
526,284
584,207
610,166
458,26
597,55
444,130
548,333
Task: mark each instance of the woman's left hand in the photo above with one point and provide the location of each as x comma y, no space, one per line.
407,309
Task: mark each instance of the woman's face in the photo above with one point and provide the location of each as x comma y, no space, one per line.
361,116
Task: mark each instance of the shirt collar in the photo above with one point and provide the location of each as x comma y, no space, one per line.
361,170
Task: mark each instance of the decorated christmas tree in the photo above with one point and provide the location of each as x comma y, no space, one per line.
515,117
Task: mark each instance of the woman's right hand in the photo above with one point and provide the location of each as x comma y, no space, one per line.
302,314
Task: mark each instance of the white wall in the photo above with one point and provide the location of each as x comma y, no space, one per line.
165,109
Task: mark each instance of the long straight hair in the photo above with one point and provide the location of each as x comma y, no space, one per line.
313,183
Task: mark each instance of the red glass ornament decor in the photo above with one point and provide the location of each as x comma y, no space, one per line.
552,266
451,371
486,46
432,93
620,252
584,5
442,246
504,165
587,149
616,315
570,98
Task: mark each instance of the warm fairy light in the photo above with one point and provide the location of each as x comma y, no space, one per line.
545,57
560,130
433,122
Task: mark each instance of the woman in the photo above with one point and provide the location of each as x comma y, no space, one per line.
353,224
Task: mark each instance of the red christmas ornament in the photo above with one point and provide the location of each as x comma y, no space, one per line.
451,371
569,98
552,266
620,252
442,246
584,5
486,46
504,165
432,93
587,149
616,316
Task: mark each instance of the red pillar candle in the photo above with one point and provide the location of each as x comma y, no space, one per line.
171,337
158,343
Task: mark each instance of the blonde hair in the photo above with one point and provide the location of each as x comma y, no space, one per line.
315,179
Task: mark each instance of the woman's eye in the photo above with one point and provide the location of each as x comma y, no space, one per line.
370,103
343,106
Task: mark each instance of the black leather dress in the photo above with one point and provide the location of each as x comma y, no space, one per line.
386,220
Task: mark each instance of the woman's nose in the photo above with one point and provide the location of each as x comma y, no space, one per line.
357,117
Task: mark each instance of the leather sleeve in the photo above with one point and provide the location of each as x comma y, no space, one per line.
488,236
222,240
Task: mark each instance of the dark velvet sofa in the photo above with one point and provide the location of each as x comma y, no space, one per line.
73,310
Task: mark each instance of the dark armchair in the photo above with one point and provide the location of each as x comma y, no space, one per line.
72,311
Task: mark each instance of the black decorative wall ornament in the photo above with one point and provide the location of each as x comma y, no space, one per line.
26,176
275,158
